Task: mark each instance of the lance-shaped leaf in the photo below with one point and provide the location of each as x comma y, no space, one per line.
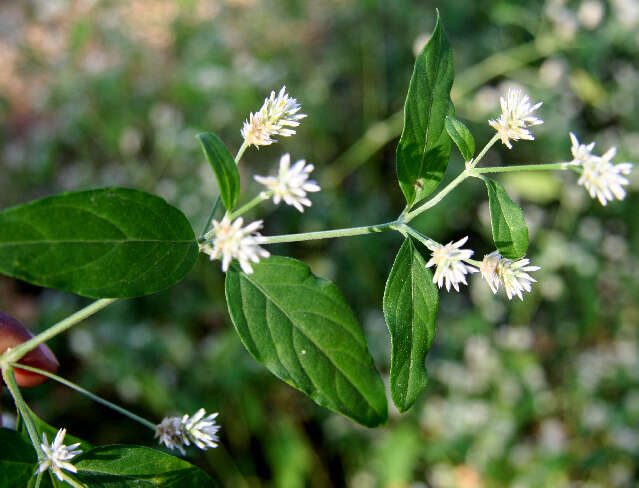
510,231
224,167
410,307
424,147
107,243
461,136
302,330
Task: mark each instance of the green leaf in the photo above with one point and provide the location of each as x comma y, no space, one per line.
17,459
424,147
461,136
410,307
223,164
137,467
510,231
302,330
107,243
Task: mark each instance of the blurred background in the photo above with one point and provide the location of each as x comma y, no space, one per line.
543,393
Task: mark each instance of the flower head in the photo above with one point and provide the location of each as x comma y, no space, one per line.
57,455
449,260
513,275
602,179
275,117
516,116
291,184
232,241
178,432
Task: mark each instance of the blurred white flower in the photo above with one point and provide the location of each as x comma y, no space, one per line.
57,455
232,241
449,263
291,184
199,429
275,117
513,275
602,179
516,116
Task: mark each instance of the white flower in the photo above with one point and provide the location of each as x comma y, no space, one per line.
449,261
199,429
274,118
602,179
291,184
57,455
513,275
488,270
232,241
516,116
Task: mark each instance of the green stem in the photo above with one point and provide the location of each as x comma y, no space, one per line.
521,167
265,195
240,152
10,381
14,355
427,241
483,151
329,234
87,393
437,198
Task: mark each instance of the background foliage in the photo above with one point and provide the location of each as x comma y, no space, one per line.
540,393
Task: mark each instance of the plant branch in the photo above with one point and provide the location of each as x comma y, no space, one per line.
87,393
14,355
521,167
265,195
329,234
10,380
437,198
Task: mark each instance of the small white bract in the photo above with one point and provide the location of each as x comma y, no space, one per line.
291,184
602,179
449,262
513,275
57,455
232,241
199,429
275,117
516,116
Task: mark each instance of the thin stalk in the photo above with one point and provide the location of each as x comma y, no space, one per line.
521,167
38,480
329,234
240,152
265,195
88,394
437,198
14,355
483,152
427,241
10,381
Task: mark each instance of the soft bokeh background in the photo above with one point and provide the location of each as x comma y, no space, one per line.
543,393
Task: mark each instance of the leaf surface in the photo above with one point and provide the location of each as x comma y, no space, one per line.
302,330
461,136
107,243
224,167
424,146
410,308
509,228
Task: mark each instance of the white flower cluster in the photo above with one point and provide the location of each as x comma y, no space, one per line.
229,240
57,455
516,116
275,117
452,266
602,179
178,432
291,184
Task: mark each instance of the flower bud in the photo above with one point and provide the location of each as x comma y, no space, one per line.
12,334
